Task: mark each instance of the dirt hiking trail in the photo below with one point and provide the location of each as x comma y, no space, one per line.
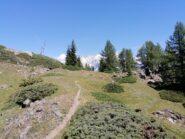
68,116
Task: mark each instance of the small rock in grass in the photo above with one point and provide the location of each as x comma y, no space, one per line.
27,102
3,86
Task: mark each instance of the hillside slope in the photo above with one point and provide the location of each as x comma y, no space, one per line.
137,95
27,58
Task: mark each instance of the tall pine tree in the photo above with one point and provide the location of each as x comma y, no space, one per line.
79,63
174,63
129,61
122,60
150,56
71,58
108,62
126,61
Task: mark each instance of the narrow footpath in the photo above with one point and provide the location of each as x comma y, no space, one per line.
68,116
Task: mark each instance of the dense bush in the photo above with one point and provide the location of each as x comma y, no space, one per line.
172,96
34,92
112,121
113,88
103,97
30,81
127,79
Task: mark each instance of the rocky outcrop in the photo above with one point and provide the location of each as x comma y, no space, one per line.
38,112
171,116
153,80
120,75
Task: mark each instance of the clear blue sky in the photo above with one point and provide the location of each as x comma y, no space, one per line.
26,24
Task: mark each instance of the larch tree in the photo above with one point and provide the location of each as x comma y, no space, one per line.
108,62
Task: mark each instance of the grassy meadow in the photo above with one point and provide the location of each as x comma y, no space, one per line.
135,95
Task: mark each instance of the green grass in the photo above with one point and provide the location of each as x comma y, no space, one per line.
173,96
45,61
136,95
25,59
127,79
104,97
52,74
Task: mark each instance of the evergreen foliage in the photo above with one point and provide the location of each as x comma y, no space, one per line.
30,81
108,62
112,121
126,61
113,88
173,69
78,62
34,92
71,58
151,56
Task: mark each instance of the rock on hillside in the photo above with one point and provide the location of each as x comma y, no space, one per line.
38,114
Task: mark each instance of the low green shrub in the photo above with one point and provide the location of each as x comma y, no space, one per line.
103,97
112,121
127,79
34,92
172,96
113,88
30,81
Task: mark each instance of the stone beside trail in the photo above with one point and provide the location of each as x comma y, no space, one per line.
39,112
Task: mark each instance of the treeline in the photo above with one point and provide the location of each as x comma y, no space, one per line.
109,62
73,62
170,62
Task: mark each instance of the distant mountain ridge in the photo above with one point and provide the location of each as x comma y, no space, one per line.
92,60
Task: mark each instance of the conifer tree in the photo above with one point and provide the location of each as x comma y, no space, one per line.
126,61
129,61
151,56
71,58
108,62
174,61
122,60
79,63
